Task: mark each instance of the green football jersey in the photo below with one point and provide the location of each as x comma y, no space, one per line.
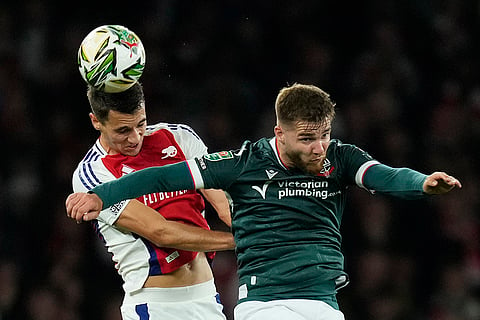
286,224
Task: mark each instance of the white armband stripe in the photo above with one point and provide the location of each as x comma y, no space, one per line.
196,175
111,214
361,172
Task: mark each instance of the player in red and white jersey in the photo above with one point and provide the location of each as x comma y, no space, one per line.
154,240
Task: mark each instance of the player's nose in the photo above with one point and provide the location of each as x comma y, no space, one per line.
135,136
318,147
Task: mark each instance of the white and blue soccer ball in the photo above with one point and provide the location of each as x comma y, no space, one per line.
111,58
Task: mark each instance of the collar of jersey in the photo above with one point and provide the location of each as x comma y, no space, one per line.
273,144
100,147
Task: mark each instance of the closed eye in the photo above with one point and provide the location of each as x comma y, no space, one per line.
122,130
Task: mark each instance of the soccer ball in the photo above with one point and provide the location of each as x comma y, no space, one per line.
111,58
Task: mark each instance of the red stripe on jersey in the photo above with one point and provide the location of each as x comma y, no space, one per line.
278,152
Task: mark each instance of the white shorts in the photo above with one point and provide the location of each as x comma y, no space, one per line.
197,302
291,309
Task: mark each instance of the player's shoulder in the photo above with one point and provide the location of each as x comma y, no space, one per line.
264,149
339,151
338,145
248,146
346,154
245,151
183,135
90,169
174,128
335,143
262,146
259,150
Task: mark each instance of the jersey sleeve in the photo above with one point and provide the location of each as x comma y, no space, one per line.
359,167
170,177
353,162
88,176
217,171
399,182
220,169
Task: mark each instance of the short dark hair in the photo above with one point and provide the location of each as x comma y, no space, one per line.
301,102
128,101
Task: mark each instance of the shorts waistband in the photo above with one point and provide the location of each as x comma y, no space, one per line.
176,294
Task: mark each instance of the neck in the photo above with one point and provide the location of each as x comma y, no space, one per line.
106,147
281,155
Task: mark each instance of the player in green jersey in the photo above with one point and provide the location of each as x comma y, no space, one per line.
288,194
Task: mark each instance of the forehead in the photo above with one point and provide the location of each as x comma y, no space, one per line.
304,127
120,119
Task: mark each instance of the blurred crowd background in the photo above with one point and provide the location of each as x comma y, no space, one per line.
404,74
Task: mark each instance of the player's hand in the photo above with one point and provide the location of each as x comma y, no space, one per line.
83,206
439,183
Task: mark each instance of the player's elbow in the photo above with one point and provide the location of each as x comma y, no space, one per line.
226,218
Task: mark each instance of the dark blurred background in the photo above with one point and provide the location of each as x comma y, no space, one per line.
404,74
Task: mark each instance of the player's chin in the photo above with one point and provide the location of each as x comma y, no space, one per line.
312,168
131,150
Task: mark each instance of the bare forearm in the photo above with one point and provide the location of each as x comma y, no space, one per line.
219,202
151,225
186,237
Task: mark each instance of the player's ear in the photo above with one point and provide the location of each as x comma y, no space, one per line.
95,123
279,134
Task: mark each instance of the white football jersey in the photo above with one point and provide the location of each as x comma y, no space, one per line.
136,258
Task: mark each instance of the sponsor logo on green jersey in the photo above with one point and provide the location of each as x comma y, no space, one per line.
217,156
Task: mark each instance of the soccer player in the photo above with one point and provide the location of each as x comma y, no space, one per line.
288,195
159,282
